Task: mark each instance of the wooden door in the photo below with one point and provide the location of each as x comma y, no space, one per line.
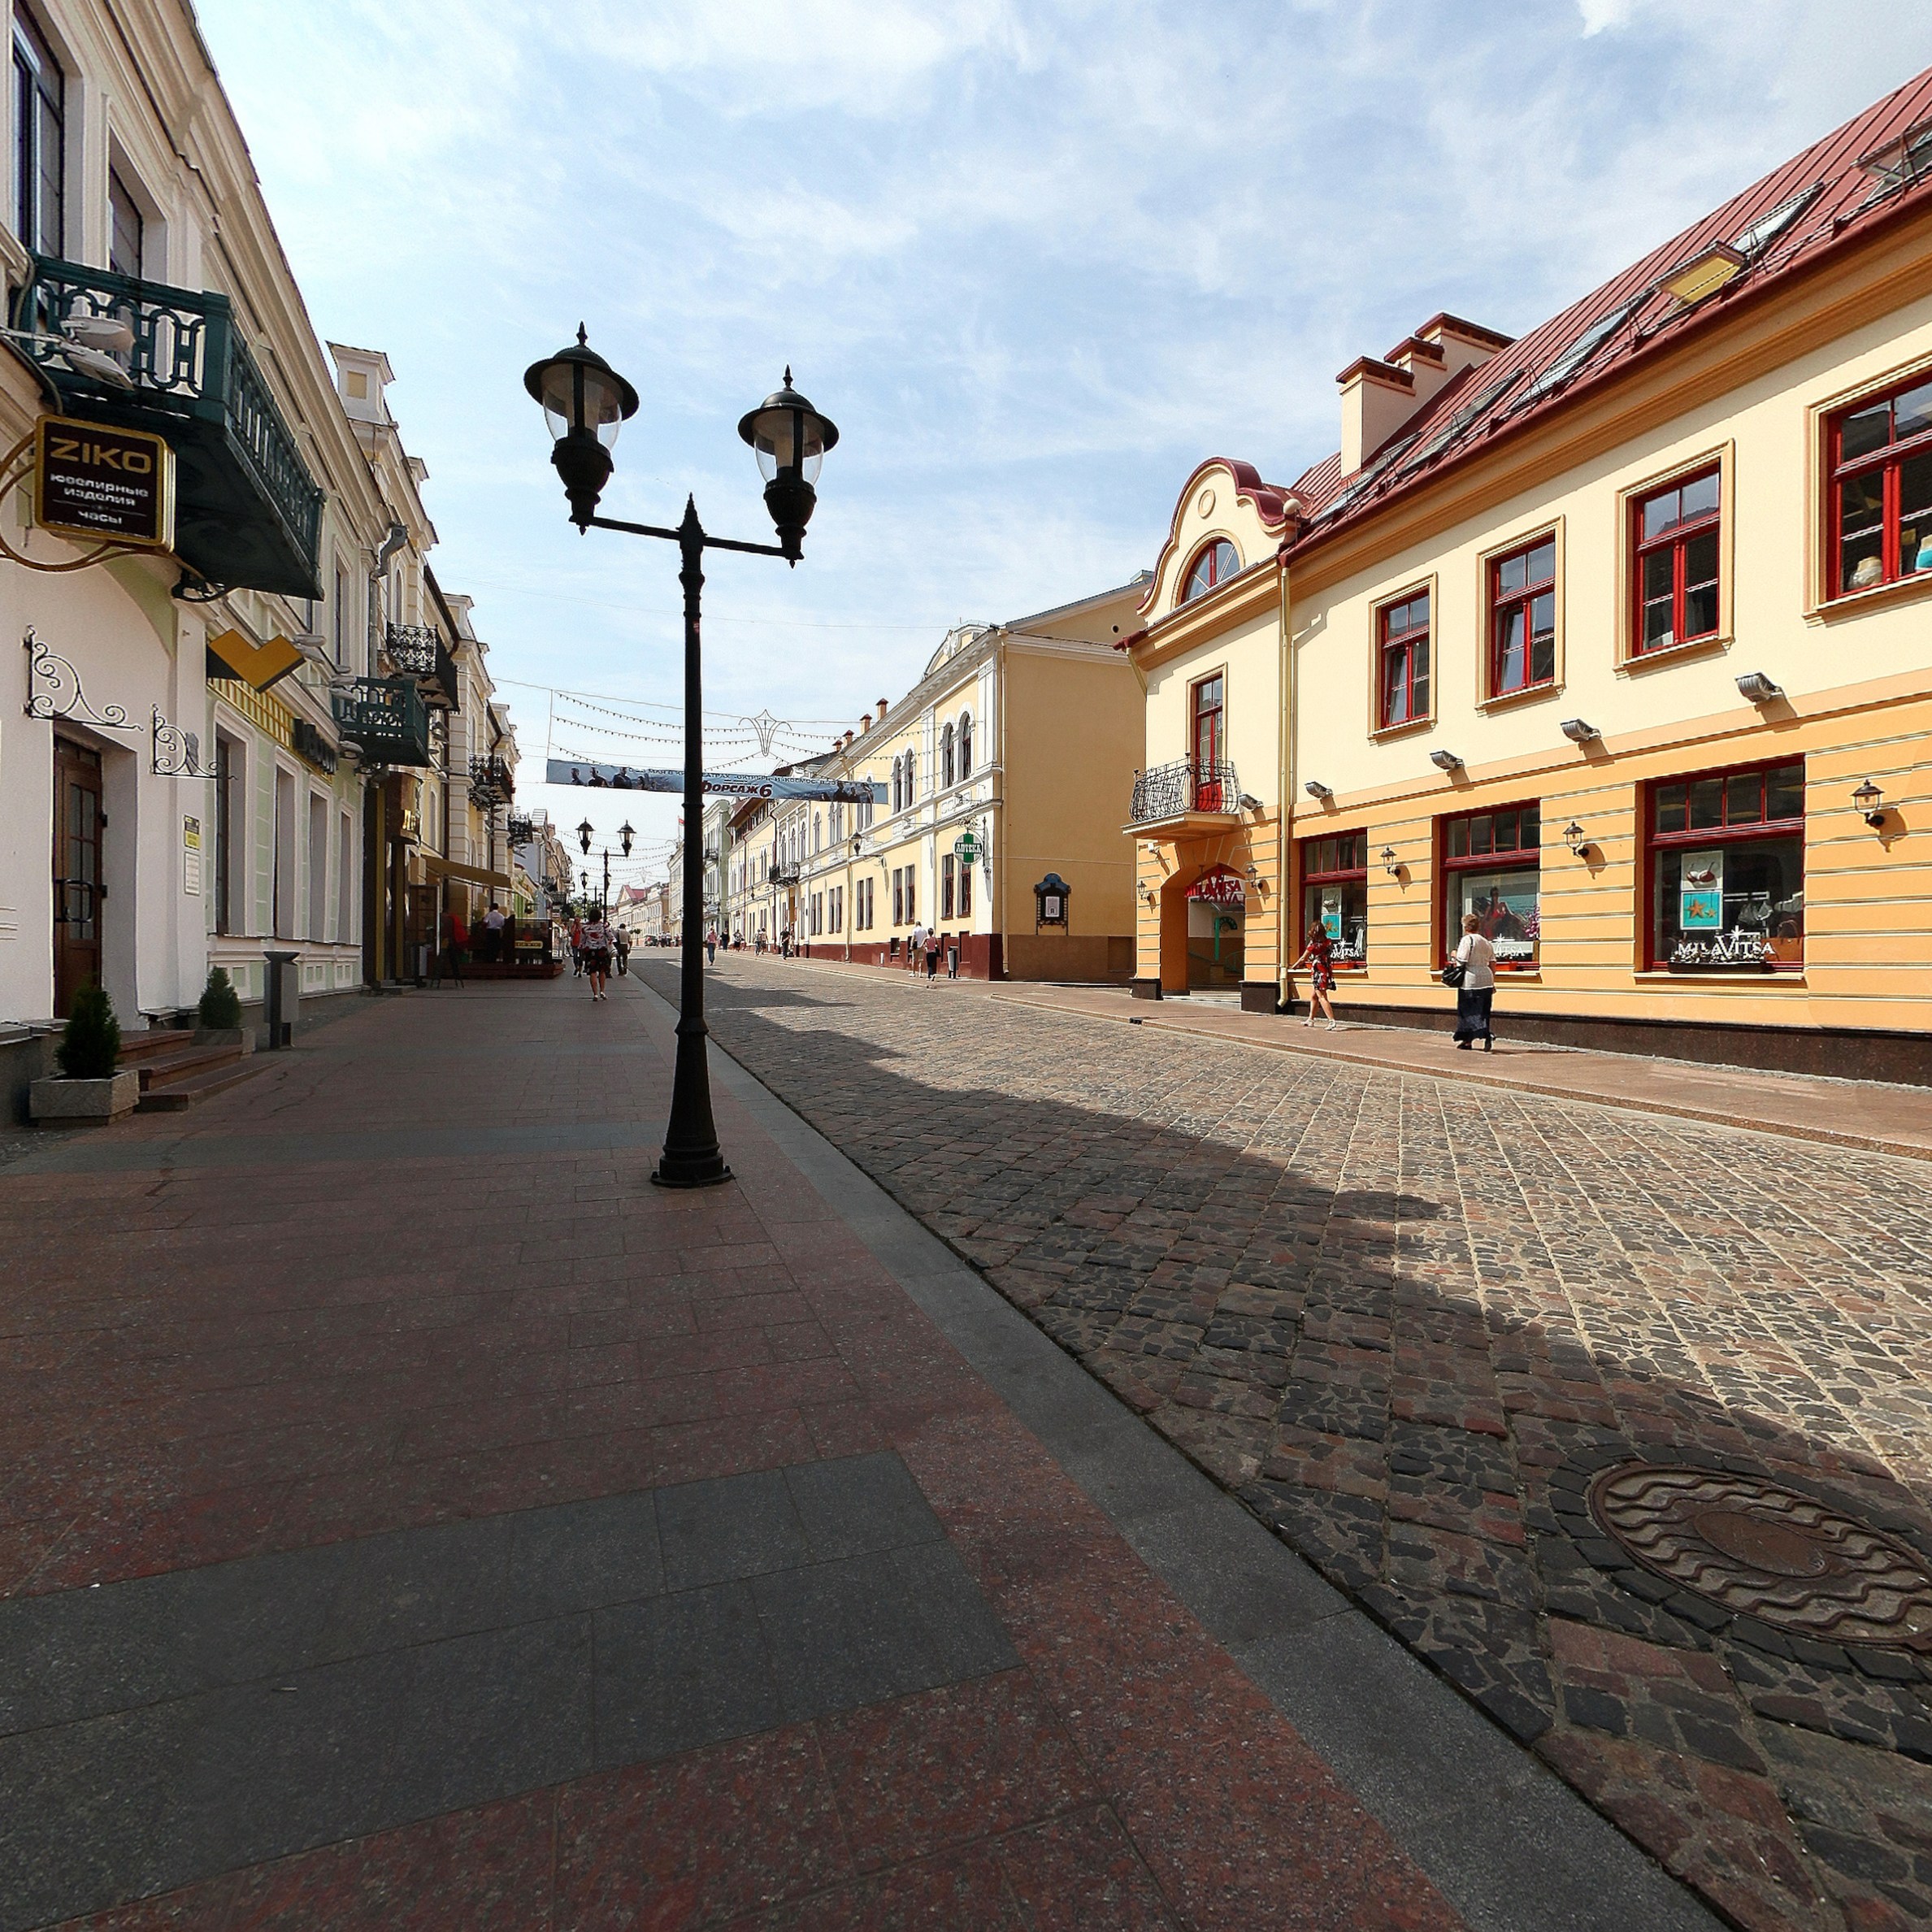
78,826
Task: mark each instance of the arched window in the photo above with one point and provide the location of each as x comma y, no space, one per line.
945,756
818,832
965,746
898,784
912,790
1216,563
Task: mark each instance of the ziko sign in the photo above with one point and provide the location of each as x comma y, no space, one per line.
111,485
1218,885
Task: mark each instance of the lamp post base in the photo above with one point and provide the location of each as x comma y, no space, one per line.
704,1172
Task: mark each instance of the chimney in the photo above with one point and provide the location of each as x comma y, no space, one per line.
1424,363
865,723
1378,398
1464,344
881,710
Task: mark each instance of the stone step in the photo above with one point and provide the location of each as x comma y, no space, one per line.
136,1048
178,1095
184,1063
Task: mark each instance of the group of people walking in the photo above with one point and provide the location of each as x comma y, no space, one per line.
1470,971
926,944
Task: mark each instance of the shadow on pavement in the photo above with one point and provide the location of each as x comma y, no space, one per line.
1409,1343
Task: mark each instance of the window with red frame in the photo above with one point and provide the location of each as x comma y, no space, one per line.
1335,894
1493,866
1727,871
1676,530
1402,674
1210,745
1215,565
1522,623
1880,454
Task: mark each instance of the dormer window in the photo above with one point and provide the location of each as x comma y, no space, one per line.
1216,563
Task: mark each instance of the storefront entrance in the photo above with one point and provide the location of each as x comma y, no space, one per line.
78,826
1216,946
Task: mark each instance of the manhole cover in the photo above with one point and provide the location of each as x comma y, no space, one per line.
1764,1551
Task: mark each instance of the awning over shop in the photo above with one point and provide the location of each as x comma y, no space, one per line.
231,655
437,867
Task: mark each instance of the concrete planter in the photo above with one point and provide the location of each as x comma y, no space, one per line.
61,1103
243,1037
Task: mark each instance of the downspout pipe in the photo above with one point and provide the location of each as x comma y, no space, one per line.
1284,843
390,544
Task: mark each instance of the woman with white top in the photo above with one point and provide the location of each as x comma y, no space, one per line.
1477,991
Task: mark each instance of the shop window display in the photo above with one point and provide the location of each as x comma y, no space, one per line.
1727,871
1335,895
1493,866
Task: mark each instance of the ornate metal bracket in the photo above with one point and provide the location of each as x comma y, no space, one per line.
177,753
53,690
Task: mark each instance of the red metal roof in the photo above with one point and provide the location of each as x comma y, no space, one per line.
1818,199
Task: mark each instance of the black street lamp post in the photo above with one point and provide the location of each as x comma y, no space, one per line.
584,402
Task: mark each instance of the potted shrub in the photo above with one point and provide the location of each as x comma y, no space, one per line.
218,1018
88,1090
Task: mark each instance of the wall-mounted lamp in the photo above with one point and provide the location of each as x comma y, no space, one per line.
1316,789
1249,802
1254,877
1754,686
1445,761
1871,801
1579,732
1389,863
1577,839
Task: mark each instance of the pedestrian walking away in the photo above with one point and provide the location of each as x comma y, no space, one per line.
932,944
1318,956
576,948
1472,972
596,956
624,950
492,935
915,951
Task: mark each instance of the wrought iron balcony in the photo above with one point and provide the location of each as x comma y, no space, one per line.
248,514
418,651
1173,791
491,782
385,719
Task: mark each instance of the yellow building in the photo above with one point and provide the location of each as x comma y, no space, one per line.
1614,636
1002,768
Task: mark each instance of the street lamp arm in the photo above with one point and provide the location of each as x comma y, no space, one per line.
704,540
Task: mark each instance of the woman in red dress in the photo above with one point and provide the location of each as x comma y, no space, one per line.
1318,956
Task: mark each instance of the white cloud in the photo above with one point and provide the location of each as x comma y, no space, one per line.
1037,260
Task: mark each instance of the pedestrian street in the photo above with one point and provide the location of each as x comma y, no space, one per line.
1472,1353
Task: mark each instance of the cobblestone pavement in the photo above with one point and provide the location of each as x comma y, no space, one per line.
1409,1323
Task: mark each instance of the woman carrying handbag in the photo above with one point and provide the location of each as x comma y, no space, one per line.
1472,972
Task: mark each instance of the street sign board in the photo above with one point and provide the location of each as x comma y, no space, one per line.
104,485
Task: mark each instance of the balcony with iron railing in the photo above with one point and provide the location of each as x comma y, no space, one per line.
1188,792
248,514
492,780
418,651
385,719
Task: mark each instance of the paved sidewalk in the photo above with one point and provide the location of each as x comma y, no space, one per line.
1621,1421
408,1515
1856,1113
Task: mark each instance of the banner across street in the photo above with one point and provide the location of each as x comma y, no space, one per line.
722,785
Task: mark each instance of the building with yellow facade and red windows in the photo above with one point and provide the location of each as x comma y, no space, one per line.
1614,636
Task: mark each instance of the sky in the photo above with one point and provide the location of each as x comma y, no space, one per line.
1037,261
